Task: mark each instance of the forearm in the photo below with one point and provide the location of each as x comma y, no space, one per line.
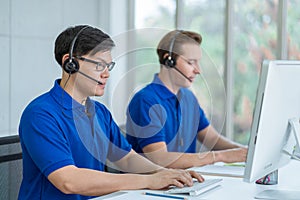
180,160
186,160
135,163
223,143
210,138
72,180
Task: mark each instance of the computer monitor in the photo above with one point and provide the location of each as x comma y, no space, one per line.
275,122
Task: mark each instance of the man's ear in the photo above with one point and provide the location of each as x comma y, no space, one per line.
64,58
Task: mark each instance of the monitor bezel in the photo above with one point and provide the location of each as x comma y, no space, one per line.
254,170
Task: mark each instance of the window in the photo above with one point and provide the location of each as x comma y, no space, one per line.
208,18
254,28
153,18
293,26
255,38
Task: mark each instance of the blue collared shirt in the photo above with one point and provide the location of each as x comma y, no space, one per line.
57,131
155,114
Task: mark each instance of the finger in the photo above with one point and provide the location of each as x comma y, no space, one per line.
182,176
197,176
185,178
188,177
177,183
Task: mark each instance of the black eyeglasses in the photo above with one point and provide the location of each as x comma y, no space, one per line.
100,66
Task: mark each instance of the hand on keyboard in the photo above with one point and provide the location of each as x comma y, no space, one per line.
197,188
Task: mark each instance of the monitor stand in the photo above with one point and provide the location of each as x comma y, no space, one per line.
293,126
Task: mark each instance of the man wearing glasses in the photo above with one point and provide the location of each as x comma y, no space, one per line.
67,137
164,119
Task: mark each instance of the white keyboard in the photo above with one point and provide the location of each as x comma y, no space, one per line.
197,189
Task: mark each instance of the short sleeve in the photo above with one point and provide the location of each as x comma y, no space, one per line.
45,143
203,121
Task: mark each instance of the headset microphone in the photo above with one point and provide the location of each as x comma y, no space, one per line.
180,72
89,77
170,60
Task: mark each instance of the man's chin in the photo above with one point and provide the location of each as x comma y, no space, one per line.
98,94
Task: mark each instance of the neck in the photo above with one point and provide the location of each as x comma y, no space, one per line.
68,86
168,81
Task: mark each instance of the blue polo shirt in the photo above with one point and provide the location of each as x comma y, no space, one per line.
155,114
57,131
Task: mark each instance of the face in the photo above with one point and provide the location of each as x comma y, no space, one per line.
188,64
97,67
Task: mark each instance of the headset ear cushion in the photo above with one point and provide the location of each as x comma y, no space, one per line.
71,67
169,61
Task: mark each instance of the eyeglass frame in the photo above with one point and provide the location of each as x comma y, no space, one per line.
103,64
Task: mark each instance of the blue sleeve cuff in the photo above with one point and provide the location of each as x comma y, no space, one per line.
51,168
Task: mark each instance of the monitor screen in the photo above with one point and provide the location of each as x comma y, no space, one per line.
277,101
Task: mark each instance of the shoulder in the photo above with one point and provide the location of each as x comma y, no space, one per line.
188,94
101,108
40,112
41,103
145,95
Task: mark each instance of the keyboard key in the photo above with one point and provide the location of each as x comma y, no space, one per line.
197,188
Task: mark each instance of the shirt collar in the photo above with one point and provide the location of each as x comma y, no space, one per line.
161,90
64,99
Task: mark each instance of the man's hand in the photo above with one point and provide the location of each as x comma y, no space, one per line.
168,177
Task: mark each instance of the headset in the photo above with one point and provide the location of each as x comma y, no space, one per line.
170,61
71,65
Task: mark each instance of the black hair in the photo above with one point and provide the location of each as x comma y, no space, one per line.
90,40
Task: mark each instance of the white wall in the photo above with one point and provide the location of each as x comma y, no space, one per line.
28,29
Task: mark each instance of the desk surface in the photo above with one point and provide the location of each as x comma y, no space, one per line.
231,188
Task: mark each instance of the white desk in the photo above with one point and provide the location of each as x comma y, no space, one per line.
232,188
